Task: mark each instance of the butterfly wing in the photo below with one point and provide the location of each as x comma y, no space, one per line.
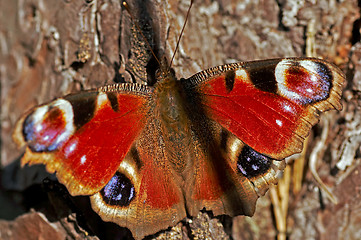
145,194
84,137
108,144
271,104
227,176
259,113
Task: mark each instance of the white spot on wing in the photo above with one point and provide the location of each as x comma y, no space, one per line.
70,148
38,117
102,99
38,127
67,110
310,66
279,122
280,70
288,108
83,159
241,73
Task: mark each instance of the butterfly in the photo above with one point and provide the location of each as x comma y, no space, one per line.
148,156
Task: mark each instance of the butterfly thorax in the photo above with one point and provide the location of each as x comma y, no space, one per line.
173,120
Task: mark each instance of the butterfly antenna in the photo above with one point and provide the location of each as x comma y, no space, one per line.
180,36
126,6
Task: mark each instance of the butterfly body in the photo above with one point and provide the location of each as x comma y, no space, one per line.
170,108
151,155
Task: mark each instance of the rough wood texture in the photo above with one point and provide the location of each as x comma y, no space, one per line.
50,48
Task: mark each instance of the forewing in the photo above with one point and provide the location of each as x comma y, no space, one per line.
85,136
270,105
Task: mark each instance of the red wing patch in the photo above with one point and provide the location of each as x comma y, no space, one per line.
85,156
261,103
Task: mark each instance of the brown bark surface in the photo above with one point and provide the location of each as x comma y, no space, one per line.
51,48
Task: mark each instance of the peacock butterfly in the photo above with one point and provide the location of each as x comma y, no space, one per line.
216,140
148,156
